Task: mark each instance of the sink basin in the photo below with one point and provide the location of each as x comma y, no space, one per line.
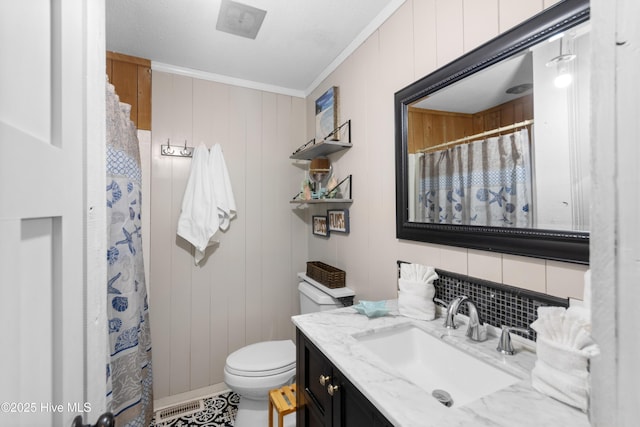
434,365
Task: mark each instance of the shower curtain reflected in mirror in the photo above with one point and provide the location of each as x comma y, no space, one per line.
485,183
129,374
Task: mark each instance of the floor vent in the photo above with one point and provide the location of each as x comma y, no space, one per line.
180,410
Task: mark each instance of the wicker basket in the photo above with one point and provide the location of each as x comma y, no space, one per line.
326,274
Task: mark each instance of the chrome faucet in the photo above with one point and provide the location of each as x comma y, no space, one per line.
452,309
476,330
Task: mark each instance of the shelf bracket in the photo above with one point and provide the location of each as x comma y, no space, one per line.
337,131
347,179
333,137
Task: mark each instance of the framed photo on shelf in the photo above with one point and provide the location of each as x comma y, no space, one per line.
327,117
319,225
338,220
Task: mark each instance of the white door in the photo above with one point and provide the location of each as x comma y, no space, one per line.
43,129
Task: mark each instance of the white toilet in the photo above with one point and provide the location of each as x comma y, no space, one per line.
257,368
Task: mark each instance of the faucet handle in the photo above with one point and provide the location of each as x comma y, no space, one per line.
448,321
504,344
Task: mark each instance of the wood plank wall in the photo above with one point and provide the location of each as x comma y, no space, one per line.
246,290
132,78
428,128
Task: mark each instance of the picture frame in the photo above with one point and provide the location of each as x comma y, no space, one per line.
319,225
338,220
327,115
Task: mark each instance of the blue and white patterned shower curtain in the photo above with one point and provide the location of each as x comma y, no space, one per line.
485,182
129,374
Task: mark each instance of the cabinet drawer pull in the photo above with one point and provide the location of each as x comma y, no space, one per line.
324,379
331,389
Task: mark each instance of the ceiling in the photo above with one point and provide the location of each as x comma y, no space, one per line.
484,89
299,44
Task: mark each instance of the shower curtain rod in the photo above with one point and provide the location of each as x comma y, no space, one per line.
478,135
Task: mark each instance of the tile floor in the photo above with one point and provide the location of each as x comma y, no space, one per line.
219,411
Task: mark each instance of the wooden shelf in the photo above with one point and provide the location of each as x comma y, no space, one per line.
338,140
313,149
322,148
318,201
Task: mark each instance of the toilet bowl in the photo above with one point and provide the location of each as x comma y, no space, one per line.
254,370
257,368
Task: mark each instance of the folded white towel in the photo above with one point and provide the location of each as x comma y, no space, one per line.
562,357
572,389
566,327
416,291
564,347
549,322
419,289
416,307
418,272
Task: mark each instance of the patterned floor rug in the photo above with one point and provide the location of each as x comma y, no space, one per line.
219,411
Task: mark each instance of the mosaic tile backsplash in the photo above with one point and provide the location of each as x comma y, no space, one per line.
497,304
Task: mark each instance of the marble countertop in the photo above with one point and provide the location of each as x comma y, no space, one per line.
405,404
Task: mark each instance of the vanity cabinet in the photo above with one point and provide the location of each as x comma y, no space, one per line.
325,396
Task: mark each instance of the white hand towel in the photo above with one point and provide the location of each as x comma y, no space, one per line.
565,327
572,389
550,321
198,219
561,357
226,204
416,291
417,288
416,307
418,272
564,346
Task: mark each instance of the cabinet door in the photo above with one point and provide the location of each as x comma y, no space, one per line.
313,369
346,406
352,409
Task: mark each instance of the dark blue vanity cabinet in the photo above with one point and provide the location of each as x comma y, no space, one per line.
325,397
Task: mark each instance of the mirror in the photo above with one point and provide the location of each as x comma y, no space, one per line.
321,182
492,150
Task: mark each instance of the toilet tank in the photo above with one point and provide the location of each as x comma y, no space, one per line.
313,299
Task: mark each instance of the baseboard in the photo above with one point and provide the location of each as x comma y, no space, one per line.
165,402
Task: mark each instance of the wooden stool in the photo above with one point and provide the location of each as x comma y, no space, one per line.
284,400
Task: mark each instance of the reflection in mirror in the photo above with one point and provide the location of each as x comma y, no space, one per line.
492,149
509,145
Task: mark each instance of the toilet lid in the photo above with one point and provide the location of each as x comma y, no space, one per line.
263,358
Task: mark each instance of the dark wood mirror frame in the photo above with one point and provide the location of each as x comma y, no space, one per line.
547,244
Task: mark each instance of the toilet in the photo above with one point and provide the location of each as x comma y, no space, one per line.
253,370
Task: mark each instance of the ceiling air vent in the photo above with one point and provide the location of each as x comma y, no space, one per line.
240,19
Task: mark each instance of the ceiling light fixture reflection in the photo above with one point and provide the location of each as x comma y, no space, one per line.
564,77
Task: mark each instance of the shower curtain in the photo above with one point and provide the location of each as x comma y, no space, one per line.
485,182
129,374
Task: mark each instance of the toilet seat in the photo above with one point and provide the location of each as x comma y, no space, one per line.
262,359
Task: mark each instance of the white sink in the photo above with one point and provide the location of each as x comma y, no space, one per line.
432,364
